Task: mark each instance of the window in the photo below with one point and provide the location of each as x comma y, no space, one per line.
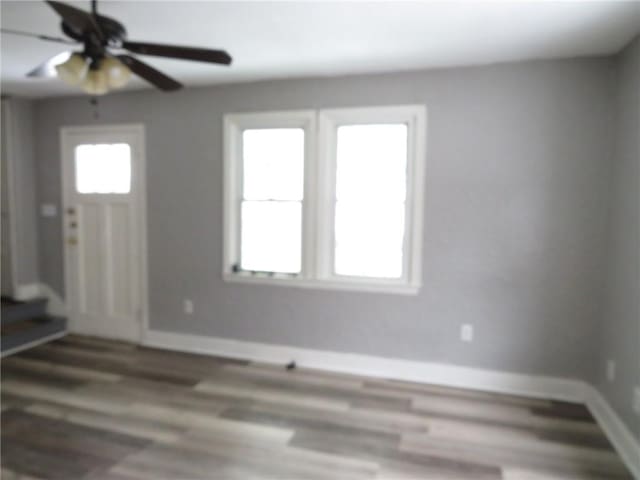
103,168
272,194
337,206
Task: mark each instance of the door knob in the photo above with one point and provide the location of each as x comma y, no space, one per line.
72,241
71,211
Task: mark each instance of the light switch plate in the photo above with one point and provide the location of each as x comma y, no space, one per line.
49,210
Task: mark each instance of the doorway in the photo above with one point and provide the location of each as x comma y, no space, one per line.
104,228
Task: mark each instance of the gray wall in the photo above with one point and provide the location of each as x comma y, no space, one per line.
516,188
621,320
20,133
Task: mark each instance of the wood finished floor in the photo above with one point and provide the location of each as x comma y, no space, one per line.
83,408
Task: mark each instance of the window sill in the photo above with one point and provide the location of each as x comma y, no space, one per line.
354,286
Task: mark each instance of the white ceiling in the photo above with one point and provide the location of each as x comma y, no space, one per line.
302,39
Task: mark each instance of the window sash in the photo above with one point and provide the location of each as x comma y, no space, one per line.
270,235
234,126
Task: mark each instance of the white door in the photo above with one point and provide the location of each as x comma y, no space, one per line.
103,215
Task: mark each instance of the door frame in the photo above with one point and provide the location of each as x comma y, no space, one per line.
137,130
10,181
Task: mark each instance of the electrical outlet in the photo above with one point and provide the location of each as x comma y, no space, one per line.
188,306
636,400
466,333
611,370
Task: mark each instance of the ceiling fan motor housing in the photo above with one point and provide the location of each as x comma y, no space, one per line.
114,32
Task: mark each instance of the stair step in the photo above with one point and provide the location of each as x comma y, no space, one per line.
30,331
15,311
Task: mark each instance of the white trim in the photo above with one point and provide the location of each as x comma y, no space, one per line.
622,439
34,343
137,130
408,370
234,124
415,118
27,291
12,198
319,190
333,284
55,304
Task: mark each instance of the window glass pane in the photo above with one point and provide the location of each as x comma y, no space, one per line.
371,162
103,168
369,239
273,164
271,236
371,178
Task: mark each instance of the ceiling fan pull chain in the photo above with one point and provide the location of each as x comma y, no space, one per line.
96,107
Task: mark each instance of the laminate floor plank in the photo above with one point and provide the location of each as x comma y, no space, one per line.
110,362
499,414
565,463
49,378
77,373
58,449
134,427
376,420
435,391
83,408
298,375
6,474
288,386
387,454
33,391
270,395
170,396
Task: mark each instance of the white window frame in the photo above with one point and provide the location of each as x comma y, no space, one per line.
319,194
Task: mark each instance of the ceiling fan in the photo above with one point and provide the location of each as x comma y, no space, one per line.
102,66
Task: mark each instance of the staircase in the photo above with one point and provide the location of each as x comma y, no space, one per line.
26,324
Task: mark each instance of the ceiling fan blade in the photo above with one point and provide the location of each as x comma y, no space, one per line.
79,21
150,74
40,37
184,53
47,69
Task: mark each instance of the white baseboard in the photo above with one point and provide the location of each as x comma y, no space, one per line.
422,372
408,370
27,291
55,304
617,432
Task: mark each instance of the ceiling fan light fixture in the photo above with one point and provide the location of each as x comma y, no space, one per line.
97,69
118,74
96,82
74,70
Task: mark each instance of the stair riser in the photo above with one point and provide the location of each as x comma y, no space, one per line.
23,311
49,326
